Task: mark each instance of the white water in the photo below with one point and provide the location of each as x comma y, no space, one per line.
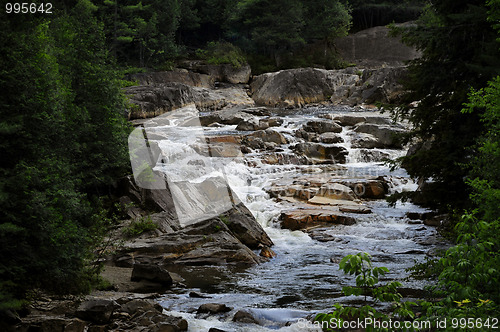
304,278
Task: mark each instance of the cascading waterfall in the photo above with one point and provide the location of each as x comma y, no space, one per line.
304,278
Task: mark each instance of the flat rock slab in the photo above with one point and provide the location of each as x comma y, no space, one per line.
305,218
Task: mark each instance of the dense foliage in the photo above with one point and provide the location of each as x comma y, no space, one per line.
153,32
370,13
458,149
460,52
367,285
63,138
469,271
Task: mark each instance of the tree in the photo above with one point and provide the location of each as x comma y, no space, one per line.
274,27
63,140
326,20
141,33
458,53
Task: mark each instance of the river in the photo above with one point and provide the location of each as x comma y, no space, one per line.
304,277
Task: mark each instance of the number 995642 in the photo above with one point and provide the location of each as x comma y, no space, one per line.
28,8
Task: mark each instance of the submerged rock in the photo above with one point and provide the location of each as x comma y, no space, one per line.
213,308
243,316
267,252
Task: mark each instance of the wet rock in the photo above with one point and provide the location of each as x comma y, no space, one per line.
322,153
171,324
213,308
322,237
369,155
245,228
361,209
284,159
305,218
255,143
269,135
198,295
330,138
322,126
307,136
367,141
345,120
244,317
154,273
208,242
252,124
352,120
139,306
232,116
214,329
385,135
48,323
306,193
98,311
267,252
336,191
373,189
434,221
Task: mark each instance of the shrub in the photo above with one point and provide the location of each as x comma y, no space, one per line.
143,225
367,278
217,53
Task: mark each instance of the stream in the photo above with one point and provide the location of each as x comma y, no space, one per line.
304,278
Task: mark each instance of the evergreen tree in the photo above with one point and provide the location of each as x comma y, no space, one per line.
459,53
63,139
274,27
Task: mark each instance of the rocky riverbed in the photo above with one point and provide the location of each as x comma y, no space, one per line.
306,185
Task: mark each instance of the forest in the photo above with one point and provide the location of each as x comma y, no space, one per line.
64,131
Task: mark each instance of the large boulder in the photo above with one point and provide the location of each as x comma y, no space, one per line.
153,100
291,87
220,240
209,242
245,228
352,86
385,135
